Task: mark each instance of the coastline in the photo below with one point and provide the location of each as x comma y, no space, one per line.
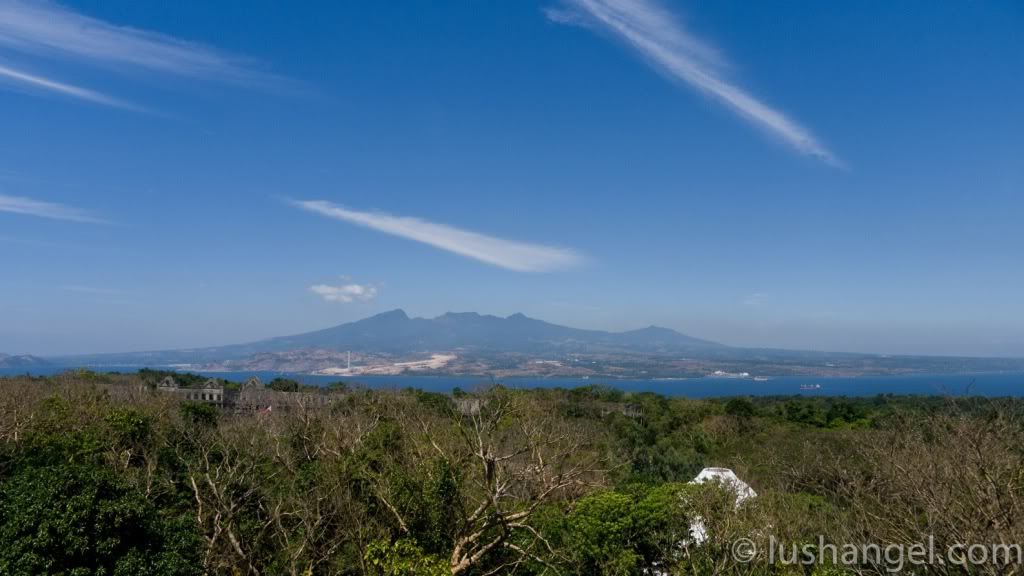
990,384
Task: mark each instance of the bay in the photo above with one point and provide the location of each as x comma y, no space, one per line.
960,384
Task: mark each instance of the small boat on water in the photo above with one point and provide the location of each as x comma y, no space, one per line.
760,378
810,386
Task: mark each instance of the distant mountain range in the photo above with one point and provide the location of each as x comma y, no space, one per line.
21,361
395,332
517,345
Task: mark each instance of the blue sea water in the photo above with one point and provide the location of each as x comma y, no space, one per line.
983,384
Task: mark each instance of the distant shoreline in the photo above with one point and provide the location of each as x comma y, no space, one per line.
991,384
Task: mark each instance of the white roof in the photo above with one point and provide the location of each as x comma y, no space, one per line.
727,478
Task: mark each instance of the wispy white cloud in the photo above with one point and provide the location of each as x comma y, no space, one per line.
44,29
509,254
30,207
40,83
49,29
656,34
345,293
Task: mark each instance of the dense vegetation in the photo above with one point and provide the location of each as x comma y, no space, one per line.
101,474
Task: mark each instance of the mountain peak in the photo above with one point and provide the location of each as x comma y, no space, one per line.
20,361
457,315
397,314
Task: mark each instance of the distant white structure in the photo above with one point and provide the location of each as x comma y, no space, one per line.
723,374
729,480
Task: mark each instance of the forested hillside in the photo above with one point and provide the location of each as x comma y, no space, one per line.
102,474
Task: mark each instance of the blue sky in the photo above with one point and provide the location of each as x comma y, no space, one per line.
789,174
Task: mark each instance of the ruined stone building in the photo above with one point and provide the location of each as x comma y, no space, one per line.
253,396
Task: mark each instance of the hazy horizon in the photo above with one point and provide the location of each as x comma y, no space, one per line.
754,343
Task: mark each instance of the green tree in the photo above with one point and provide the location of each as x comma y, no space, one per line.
403,558
78,519
602,535
337,386
629,532
740,407
199,413
284,385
